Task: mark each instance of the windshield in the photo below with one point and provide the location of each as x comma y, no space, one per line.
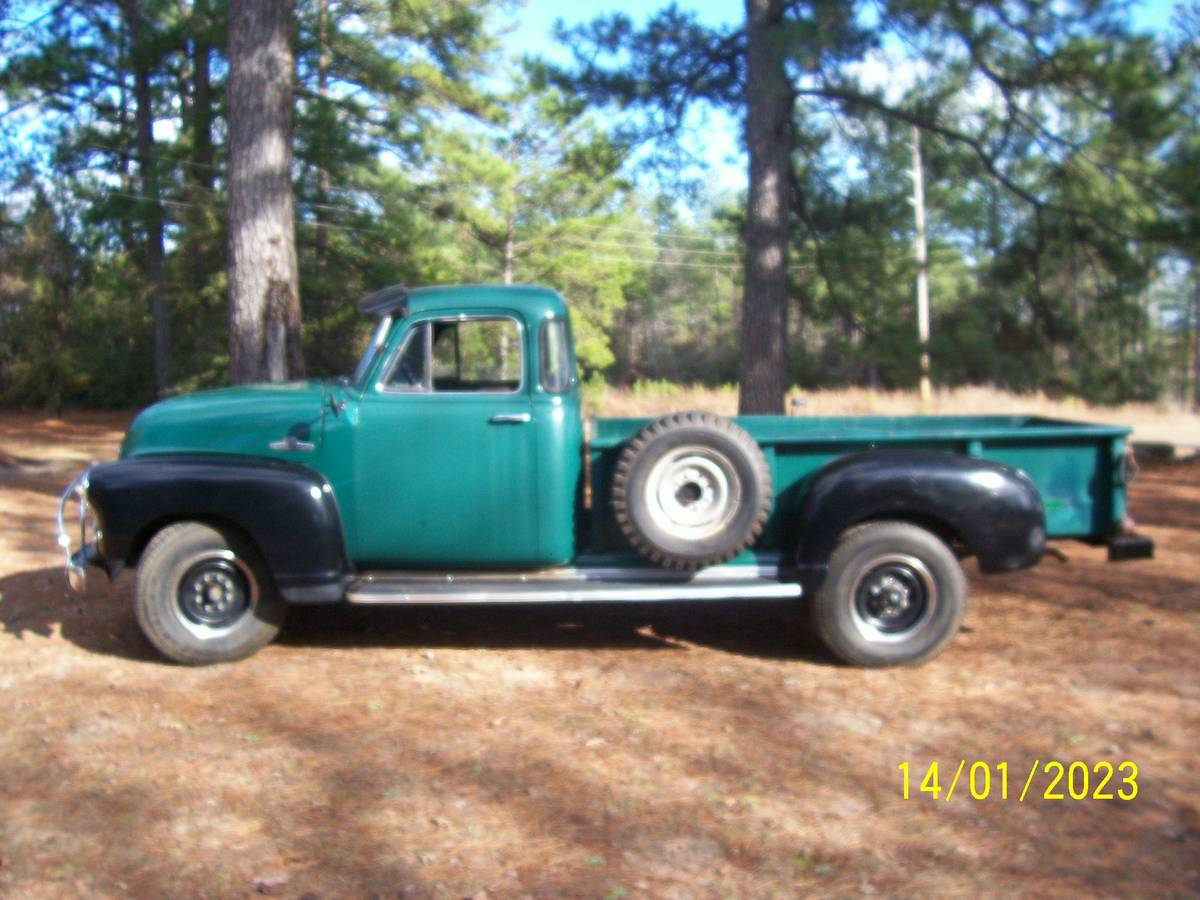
374,348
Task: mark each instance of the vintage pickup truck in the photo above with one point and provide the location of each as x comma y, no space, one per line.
453,467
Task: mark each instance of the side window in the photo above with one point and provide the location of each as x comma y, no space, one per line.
409,369
477,355
557,374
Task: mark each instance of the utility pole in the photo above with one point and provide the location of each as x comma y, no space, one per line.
1196,333
918,202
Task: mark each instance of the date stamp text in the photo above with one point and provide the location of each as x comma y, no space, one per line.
1049,780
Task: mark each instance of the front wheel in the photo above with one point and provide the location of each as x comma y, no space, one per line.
894,595
202,596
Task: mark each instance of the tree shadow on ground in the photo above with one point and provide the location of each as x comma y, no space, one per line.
1159,503
47,478
1089,586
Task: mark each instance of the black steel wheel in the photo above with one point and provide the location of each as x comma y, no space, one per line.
215,592
202,596
894,594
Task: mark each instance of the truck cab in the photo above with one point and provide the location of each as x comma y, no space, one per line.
466,407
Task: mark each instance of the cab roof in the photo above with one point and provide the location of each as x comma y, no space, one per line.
531,302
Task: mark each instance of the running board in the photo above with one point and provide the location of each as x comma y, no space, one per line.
570,585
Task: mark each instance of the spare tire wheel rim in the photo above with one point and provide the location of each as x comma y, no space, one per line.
692,493
214,592
893,595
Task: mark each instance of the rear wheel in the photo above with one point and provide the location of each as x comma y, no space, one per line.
202,596
894,595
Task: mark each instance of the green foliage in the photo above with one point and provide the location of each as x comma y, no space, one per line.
1061,158
68,335
526,193
1050,130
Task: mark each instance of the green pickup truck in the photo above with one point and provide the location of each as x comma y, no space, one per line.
454,467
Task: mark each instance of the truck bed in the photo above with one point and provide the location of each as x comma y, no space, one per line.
1078,468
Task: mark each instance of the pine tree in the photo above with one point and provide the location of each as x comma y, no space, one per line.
264,290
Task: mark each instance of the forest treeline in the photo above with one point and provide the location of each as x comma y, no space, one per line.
1061,155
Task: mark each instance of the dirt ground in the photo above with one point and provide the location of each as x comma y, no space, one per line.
607,753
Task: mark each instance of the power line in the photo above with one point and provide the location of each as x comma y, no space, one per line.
376,230
24,26
734,259
181,204
139,157
136,155
684,265
143,197
583,242
655,234
335,227
313,204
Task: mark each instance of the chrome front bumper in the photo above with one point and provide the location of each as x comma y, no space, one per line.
89,534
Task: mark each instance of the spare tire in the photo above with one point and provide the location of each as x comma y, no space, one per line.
691,490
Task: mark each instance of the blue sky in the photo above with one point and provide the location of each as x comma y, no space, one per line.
532,23
534,19
722,161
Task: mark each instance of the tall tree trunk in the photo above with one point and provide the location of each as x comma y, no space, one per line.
996,305
509,252
324,57
1196,331
324,186
127,185
922,270
509,260
148,184
202,175
264,295
202,144
762,360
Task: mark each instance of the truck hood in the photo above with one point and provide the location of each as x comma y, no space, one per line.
241,420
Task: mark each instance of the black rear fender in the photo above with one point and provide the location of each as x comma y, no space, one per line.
288,511
993,510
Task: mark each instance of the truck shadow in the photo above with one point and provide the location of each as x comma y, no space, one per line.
1159,503
764,629
37,603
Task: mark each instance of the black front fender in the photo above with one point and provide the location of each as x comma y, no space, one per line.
287,510
992,509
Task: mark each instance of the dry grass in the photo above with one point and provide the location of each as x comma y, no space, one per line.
1150,422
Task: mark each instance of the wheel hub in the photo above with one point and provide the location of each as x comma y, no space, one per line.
694,489
894,595
213,593
692,492
888,597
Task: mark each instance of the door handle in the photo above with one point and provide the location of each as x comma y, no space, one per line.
292,443
510,419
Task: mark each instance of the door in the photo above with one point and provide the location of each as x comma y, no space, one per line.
446,463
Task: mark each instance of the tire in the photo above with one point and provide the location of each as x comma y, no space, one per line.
202,596
691,490
895,594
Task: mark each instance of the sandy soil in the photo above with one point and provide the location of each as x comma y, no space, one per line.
612,753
